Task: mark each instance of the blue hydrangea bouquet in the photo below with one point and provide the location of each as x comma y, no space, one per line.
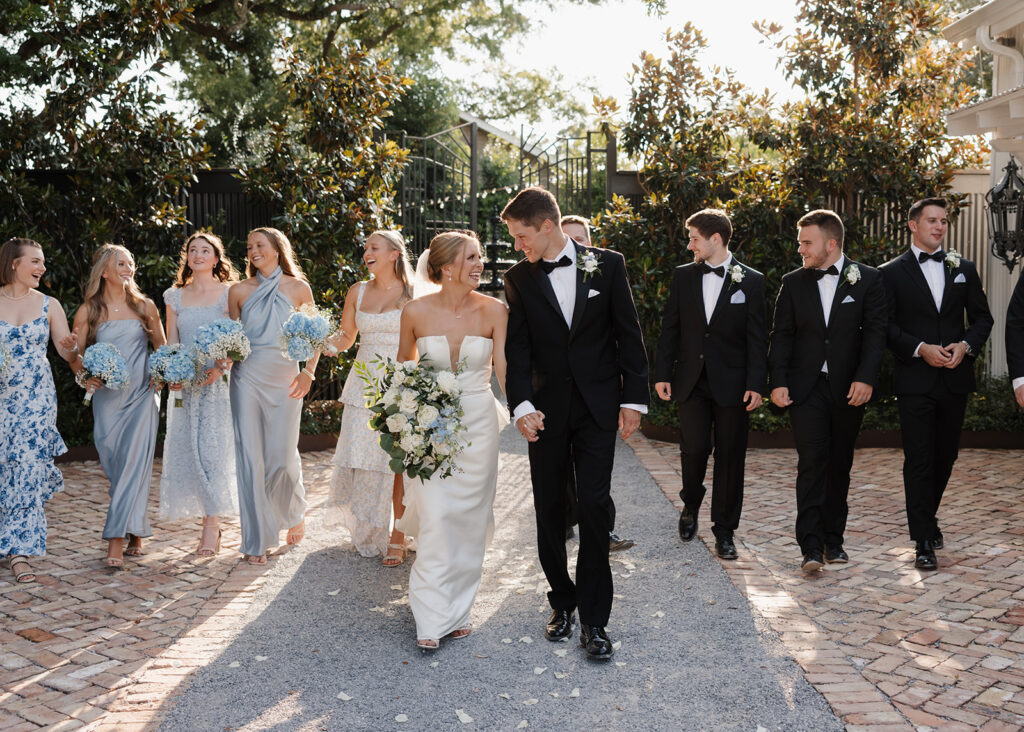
305,332
418,413
223,339
175,364
104,362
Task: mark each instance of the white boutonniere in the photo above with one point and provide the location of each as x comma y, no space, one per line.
852,274
736,274
952,259
586,262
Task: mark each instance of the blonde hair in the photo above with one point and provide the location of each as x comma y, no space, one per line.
285,253
403,270
11,251
223,270
444,248
97,309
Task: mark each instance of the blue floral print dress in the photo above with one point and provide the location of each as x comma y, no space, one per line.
28,437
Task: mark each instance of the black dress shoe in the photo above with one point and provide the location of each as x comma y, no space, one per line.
560,625
615,544
687,524
937,542
812,562
836,555
725,548
596,641
926,555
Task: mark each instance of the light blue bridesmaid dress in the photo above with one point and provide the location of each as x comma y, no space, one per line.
271,496
124,431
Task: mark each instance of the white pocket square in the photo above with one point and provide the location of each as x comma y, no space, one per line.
737,298
960,279
592,293
846,300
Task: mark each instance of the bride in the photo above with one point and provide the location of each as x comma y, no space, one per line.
455,327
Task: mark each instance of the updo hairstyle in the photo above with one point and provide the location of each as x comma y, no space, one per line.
445,249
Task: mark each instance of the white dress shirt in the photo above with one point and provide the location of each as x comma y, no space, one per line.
827,286
563,282
712,286
935,278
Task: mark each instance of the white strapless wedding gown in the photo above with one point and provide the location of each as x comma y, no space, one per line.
452,518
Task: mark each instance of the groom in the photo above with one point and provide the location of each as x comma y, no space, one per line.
577,371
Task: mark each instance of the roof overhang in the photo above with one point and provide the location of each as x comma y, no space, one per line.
998,15
1001,115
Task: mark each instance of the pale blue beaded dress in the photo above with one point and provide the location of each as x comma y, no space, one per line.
28,438
198,477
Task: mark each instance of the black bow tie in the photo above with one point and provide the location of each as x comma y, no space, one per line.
705,268
550,267
819,273
938,256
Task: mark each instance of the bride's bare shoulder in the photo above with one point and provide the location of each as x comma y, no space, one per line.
491,305
418,306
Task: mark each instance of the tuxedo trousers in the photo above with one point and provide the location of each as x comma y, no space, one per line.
930,425
700,420
591,451
825,430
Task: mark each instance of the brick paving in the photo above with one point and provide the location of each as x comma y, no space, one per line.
91,647
890,647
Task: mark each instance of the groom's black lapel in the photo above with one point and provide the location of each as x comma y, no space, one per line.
582,290
544,284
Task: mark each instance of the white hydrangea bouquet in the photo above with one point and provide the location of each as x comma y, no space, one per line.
305,332
104,362
223,339
418,413
175,364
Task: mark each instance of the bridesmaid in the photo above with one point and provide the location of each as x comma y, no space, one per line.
198,477
266,397
364,491
124,421
28,404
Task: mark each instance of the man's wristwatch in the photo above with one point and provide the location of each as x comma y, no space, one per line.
970,351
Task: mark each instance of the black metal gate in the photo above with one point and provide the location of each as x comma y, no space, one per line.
572,168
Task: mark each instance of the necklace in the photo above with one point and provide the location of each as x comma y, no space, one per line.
19,297
111,306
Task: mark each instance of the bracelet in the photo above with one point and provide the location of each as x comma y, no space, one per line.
309,373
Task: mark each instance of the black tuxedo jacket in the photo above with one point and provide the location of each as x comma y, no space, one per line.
602,351
733,346
1015,331
913,319
853,342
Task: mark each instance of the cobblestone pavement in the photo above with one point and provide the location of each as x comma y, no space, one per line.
890,647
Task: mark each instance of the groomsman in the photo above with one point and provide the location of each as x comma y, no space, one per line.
711,358
827,343
577,228
930,294
1015,341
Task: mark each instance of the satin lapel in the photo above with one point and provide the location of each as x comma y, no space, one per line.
722,295
812,292
582,291
914,272
544,284
841,287
949,276
697,292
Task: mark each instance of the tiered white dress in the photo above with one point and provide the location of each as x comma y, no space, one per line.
452,518
361,484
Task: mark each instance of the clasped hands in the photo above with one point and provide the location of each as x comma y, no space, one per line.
948,357
530,425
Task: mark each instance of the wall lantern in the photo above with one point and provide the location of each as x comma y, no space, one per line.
1006,217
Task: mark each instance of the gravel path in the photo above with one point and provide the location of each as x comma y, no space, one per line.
692,656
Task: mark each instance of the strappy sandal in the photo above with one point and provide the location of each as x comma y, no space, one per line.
205,551
115,562
256,560
296,533
136,550
22,577
393,560
427,644
461,632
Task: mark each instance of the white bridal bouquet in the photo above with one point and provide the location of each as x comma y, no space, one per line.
175,364
104,362
418,412
305,332
223,339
